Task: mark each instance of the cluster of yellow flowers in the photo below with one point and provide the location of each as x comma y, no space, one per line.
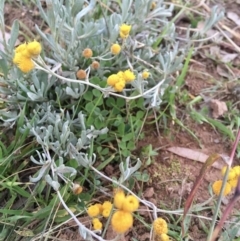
124,31
122,219
24,54
160,229
234,174
97,210
119,80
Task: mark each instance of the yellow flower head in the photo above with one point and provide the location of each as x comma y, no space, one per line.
25,65
160,226
233,182
107,205
81,74
95,220
121,221
106,209
129,75
123,36
145,74
232,172
34,48
99,205
17,58
130,204
120,74
106,212
112,79
125,29
95,65
164,237
217,185
21,48
93,210
237,170
87,53
119,198
97,225
115,49
119,86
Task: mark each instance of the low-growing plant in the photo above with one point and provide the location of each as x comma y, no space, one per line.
80,94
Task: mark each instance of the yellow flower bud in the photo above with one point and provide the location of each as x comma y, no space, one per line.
119,86
130,204
232,172
21,48
97,225
81,74
107,205
95,65
87,53
119,198
25,65
34,48
93,210
115,49
125,29
145,74
160,226
237,170
112,79
233,182
77,189
121,221
164,237
217,185
17,58
123,36
129,76
106,212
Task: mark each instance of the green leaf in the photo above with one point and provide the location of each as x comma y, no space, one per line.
122,145
131,146
4,67
121,102
140,114
88,96
140,103
142,176
98,102
99,124
89,107
128,137
121,129
105,151
110,102
96,93
105,163
14,34
72,163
